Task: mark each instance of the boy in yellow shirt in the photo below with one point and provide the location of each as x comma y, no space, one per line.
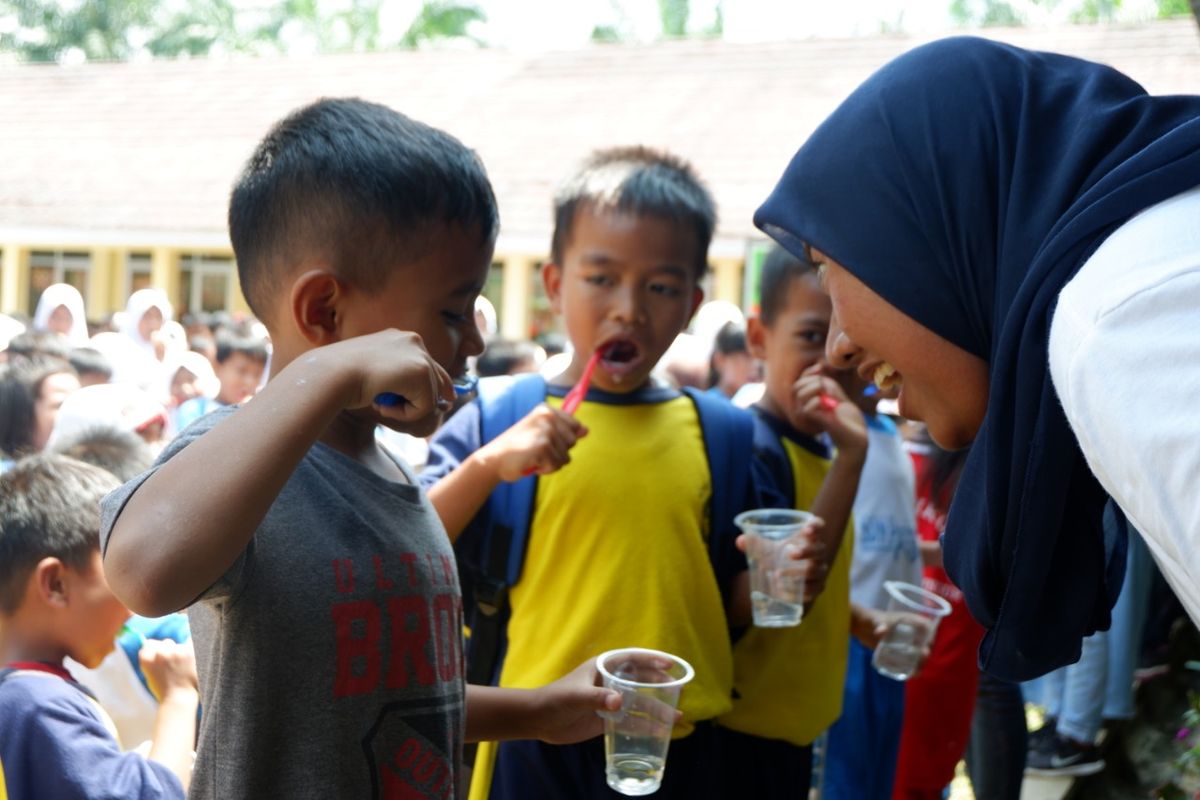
622,550
788,681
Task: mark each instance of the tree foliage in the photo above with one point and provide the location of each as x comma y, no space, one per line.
985,13
674,15
57,30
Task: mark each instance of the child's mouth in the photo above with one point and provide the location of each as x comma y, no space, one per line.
619,357
886,376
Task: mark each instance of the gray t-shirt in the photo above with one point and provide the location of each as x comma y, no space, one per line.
330,654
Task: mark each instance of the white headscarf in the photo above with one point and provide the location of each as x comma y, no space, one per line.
9,328
195,363
63,294
139,303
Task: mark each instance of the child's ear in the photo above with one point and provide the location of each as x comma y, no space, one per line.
316,295
552,275
49,581
756,336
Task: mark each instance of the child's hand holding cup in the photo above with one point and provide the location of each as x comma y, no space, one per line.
785,563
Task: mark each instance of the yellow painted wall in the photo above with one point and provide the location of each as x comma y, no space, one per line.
14,277
108,284
727,280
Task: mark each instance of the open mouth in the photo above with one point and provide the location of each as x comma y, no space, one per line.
619,357
885,376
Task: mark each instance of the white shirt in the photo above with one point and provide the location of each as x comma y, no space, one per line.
1125,360
885,518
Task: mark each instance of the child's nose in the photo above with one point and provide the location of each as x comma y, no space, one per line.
627,306
472,341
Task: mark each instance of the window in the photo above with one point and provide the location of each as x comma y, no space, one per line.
137,272
542,319
205,284
50,267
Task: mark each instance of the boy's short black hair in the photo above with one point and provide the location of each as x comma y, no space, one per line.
89,361
779,268
116,450
253,349
20,385
356,183
501,356
636,180
49,507
32,344
731,338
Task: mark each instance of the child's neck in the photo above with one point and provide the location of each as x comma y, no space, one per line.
18,645
354,437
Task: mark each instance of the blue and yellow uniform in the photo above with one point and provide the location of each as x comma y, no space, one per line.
619,554
788,681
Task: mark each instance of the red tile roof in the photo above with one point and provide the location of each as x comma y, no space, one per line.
145,153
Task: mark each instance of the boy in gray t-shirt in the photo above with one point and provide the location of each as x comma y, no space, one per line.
324,597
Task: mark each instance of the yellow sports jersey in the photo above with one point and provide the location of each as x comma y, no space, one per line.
788,682
618,554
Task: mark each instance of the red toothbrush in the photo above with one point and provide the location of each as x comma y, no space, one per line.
574,397
579,390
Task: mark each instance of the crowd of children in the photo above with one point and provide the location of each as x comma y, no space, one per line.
327,582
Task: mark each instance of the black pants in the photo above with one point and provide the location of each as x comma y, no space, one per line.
763,769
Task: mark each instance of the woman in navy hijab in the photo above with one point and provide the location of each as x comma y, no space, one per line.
1014,239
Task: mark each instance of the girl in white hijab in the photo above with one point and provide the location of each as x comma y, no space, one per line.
144,342
60,310
146,313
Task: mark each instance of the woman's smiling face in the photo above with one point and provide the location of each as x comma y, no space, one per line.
940,384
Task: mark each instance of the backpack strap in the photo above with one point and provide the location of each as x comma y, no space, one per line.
501,549
728,444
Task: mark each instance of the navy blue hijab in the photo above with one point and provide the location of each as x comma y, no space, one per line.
966,182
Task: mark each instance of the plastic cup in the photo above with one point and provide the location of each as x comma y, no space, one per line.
636,738
916,614
776,583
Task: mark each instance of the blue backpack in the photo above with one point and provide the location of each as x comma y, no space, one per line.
493,553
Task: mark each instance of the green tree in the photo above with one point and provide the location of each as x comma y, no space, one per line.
674,15
52,30
1096,11
442,19
987,13
98,29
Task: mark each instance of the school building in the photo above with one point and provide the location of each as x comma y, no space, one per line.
116,176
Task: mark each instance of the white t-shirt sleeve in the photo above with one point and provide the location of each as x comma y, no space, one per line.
1125,361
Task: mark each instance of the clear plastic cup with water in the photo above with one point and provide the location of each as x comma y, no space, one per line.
776,580
915,614
637,736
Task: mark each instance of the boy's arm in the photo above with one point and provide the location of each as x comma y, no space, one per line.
562,712
538,444
931,553
170,669
847,428
187,523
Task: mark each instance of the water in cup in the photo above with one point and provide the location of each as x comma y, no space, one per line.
897,655
915,614
637,737
776,582
633,773
771,612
